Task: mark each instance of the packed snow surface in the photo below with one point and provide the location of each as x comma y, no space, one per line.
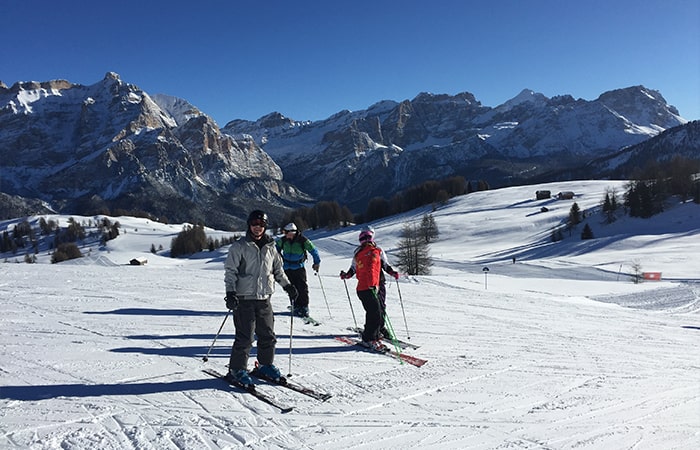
556,348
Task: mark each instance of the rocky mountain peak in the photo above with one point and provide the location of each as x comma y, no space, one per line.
526,96
642,106
111,145
274,120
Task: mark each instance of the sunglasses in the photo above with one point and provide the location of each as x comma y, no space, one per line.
258,223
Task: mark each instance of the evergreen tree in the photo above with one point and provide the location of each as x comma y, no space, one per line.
74,232
428,228
190,240
606,207
574,215
587,233
66,251
610,205
646,209
557,235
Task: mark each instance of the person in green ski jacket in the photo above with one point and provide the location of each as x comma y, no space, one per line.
293,247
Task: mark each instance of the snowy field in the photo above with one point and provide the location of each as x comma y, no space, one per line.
558,350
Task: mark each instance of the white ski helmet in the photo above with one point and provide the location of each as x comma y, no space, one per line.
290,227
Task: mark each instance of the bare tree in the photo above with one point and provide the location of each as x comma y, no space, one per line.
414,252
636,272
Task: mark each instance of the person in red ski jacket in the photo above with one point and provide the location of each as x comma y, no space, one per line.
367,264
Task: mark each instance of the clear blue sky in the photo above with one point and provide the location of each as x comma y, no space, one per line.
310,59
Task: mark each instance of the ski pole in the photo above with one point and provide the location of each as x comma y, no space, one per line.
402,309
206,357
350,301
291,329
324,295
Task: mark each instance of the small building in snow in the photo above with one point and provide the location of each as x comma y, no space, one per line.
541,195
565,195
138,261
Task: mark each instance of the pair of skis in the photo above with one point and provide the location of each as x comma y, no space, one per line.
403,344
410,359
267,398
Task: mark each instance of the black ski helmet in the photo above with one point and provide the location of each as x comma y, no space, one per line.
257,215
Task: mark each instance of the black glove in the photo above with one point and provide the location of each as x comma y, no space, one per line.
231,300
292,292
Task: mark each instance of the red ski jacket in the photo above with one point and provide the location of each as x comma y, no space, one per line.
368,266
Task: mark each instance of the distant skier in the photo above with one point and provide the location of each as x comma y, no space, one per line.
252,267
368,263
293,247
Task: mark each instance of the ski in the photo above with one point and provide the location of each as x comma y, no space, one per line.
403,344
308,320
250,390
293,386
413,360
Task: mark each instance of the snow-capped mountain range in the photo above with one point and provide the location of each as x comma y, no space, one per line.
112,146
354,156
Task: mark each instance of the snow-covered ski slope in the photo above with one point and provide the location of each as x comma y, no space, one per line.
557,350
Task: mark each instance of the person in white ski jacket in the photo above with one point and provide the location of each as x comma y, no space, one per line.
252,267
251,271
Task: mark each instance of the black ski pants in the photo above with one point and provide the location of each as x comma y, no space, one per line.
298,278
373,314
253,317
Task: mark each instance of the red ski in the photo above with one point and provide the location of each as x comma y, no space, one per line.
413,360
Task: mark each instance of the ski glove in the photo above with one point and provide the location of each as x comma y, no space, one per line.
344,275
315,267
395,275
292,292
231,300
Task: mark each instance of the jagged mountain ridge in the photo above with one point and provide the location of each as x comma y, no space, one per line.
111,145
354,156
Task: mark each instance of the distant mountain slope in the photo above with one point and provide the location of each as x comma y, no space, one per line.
683,140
